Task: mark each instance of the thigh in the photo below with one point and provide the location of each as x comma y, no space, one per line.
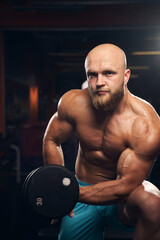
87,223
143,200
114,221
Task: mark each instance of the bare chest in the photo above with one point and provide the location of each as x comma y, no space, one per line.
106,138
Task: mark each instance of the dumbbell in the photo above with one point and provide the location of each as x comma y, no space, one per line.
52,191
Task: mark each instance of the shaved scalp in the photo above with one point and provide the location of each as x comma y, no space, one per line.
101,60
107,48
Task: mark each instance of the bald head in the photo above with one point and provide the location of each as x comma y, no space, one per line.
107,76
109,53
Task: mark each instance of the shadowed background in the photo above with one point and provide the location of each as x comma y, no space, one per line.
43,44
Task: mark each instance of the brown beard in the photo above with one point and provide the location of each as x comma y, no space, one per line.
103,104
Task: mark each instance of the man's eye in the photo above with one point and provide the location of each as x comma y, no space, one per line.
109,73
92,75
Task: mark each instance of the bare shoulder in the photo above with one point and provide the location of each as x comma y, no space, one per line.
72,95
145,128
72,101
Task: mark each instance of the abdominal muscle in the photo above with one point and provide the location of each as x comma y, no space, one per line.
93,168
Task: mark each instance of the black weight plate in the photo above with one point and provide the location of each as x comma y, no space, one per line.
25,184
51,190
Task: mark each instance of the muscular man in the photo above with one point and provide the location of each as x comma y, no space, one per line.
119,136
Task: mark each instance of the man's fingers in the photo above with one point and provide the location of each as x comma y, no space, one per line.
54,221
71,214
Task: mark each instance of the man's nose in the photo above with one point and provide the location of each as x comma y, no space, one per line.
100,81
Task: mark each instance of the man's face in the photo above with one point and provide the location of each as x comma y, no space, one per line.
106,100
106,80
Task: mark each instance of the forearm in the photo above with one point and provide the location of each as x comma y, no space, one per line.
104,193
52,153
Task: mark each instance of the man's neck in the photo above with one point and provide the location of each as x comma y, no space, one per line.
123,104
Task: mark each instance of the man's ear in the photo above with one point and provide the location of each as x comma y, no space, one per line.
127,76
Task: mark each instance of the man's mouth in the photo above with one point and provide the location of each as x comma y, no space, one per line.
102,92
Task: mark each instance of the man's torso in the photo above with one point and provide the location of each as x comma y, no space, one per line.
103,137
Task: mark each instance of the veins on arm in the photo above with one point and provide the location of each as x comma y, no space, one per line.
129,176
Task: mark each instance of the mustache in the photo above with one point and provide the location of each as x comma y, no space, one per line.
102,90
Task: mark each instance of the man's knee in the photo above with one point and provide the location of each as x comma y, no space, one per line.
144,202
150,211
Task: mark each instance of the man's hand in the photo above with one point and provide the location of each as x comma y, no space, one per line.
71,214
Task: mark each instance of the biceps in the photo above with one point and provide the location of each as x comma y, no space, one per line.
58,130
133,168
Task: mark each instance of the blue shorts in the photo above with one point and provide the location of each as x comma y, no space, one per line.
90,221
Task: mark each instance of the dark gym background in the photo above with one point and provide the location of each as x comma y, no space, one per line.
43,44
